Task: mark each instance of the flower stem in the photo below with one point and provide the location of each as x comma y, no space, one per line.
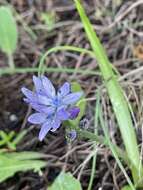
10,62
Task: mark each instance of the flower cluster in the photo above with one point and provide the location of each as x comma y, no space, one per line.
51,107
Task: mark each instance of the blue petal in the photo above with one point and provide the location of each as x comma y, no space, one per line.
44,100
38,84
65,114
43,109
64,90
29,94
55,124
62,114
48,87
37,118
44,130
72,98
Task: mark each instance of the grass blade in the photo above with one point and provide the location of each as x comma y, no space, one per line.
116,95
114,151
96,118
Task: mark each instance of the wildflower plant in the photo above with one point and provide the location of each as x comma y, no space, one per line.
130,155
55,107
52,108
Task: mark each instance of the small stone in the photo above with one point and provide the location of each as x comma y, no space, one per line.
13,117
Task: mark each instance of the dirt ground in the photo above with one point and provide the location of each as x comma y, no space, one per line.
119,26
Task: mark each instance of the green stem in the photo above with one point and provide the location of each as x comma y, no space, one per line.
67,48
96,121
49,69
92,170
11,63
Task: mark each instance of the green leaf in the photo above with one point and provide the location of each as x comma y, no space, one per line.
116,95
8,31
126,188
25,155
10,163
65,181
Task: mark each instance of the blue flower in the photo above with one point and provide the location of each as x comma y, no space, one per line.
51,107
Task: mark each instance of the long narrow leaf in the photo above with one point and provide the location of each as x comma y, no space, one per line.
115,92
